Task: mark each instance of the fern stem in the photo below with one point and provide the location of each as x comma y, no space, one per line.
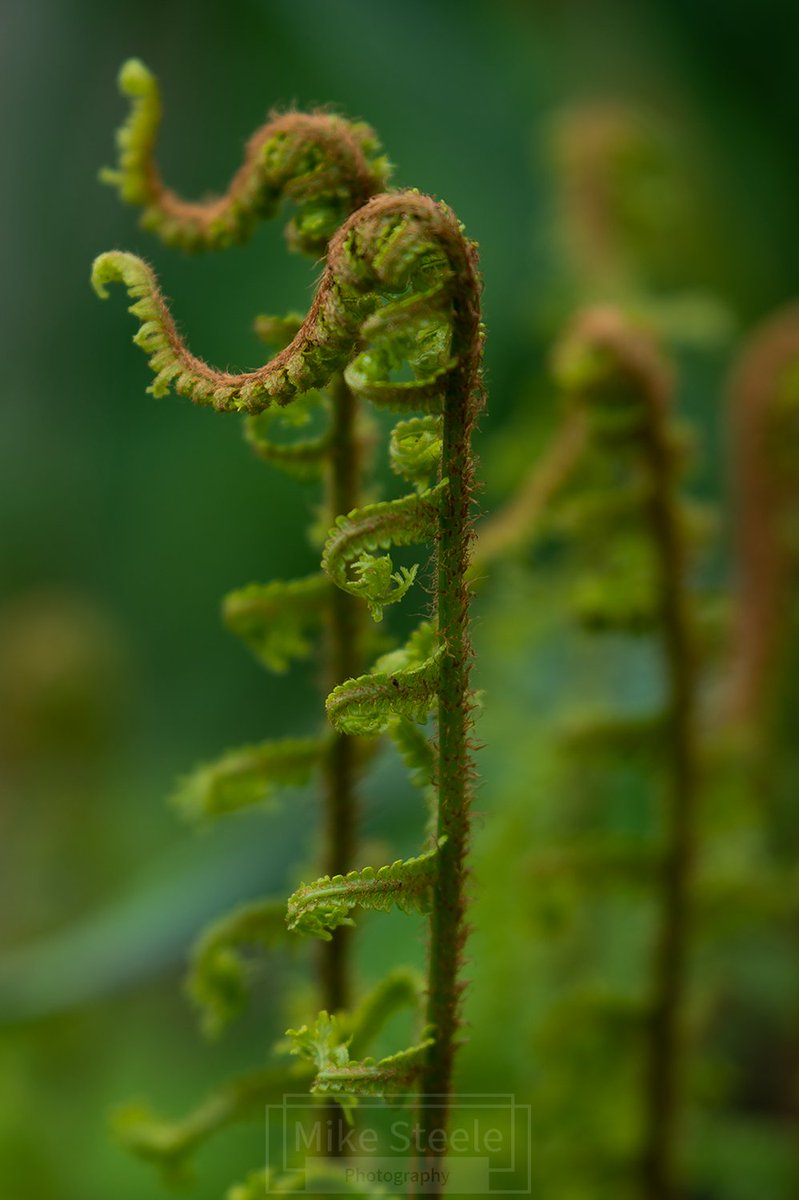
761,492
344,660
359,320
447,926
618,372
641,364
664,1057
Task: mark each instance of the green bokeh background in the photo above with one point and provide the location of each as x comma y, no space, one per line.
123,520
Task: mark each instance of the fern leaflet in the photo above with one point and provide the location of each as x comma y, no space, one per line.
275,620
247,777
319,907
218,976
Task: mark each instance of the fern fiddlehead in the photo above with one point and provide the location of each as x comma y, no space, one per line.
763,391
763,651
327,167
396,321
373,256
615,372
433,669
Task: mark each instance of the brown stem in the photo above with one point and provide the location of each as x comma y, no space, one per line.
638,374
344,661
334,138
765,487
760,493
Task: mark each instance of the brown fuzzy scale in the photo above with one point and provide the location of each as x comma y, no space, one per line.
771,351
334,136
225,386
331,327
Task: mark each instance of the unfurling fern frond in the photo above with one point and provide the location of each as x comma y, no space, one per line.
325,165
632,527
326,1045
408,363
369,704
323,1042
623,596
247,777
170,1144
304,458
420,648
389,245
415,449
329,1038
217,981
405,522
396,321
402,684
764,397
289,374
401,988
276,620
373,1077
366,375
416,750
319,907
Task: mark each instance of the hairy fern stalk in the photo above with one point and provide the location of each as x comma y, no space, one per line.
634,512
395,321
